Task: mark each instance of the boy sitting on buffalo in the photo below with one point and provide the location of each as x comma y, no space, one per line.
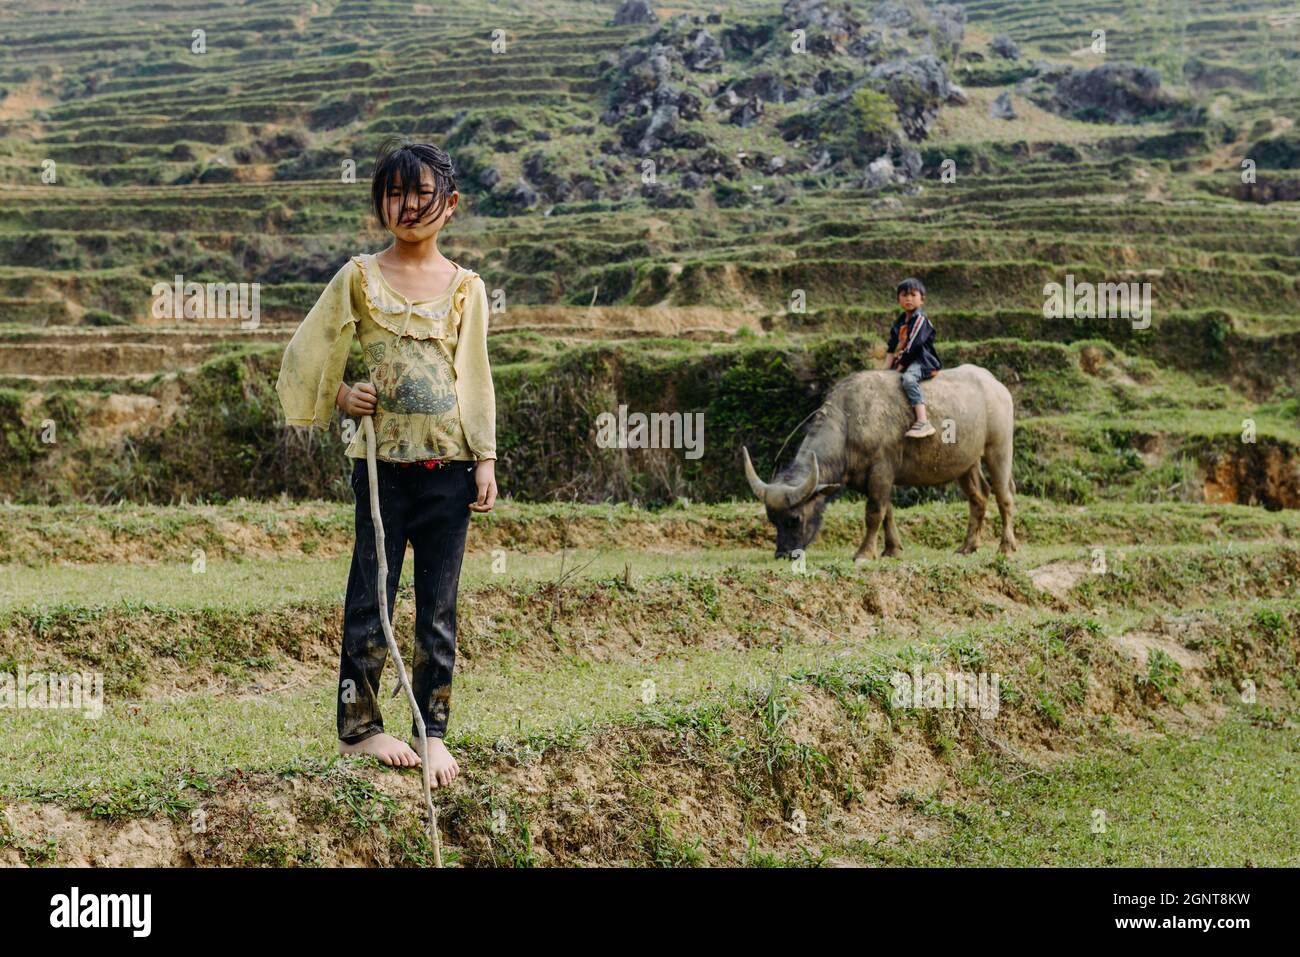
911,352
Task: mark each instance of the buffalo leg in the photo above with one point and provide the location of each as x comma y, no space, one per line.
893,544
999,464
973,489
879,489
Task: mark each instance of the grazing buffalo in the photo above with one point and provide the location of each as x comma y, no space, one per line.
856,441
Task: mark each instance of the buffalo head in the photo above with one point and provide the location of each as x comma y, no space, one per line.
795,509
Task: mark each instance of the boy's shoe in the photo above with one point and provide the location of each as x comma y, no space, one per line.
920,430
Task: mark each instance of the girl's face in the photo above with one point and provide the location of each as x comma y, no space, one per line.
401,217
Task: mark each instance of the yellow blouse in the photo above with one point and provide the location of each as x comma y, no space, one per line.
428,362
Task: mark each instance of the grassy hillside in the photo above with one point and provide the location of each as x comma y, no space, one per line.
755,277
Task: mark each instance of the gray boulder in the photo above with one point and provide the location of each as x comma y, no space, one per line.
1112,93
644,73
890,14
748,113
714,162
661,128
744,39
909,162
949,26
927,72
646,102
830,27
1002,108
728,99
880,172
703,53
765,85
866,46
634,11
521,197
917,86
543,177
1005,47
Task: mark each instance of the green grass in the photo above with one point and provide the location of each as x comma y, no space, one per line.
143,745
1227,798
34,536
147,747
256,585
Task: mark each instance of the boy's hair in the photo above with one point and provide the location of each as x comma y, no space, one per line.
910,285
401,159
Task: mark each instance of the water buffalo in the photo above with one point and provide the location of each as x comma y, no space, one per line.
855,440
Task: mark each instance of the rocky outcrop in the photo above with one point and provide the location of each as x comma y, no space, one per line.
649,105
949,28
632,12
1005,47
764,85
1267,189
880,172
670,90
742,40
1278,152
747,113
1002,108
279,145
830,27
519,198
918,87
1110,93
702,52
891,14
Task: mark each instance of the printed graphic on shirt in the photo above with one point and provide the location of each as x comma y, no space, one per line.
415,379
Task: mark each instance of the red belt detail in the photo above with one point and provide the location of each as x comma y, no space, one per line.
427,463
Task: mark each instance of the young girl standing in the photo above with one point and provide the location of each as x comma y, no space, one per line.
422,321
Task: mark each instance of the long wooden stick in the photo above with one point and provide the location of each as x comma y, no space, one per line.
367,424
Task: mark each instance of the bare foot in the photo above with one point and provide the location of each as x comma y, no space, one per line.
443,766
386,748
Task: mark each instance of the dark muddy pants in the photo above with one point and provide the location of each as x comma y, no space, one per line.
430,509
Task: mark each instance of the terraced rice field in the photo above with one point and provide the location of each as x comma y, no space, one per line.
662,691
639,682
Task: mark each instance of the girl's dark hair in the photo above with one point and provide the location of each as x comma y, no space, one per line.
401,159
910,285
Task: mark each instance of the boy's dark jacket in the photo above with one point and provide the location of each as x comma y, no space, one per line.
920,343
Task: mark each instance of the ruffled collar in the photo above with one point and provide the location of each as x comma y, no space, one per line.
423,319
